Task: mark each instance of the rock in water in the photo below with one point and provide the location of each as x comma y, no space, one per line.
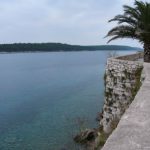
86,136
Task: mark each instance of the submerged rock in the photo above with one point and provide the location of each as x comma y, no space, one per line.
86,136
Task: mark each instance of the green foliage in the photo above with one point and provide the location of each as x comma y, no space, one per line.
127,74
105,77
108,93
102,137
52,47
133,23
114,123
137,82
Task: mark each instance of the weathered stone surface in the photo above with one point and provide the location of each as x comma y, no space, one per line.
120,86
133,130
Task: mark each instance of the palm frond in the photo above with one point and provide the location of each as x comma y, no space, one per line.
122,31
113,38
133,23
131,12
124,19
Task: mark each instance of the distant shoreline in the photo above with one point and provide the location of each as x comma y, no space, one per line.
14,52
59,47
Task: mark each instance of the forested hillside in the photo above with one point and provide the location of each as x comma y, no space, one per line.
52,47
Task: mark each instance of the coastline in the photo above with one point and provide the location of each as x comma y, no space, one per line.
15,52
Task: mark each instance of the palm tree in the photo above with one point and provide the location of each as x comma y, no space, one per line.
134,23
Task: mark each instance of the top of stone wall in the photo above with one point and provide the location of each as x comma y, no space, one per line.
131,57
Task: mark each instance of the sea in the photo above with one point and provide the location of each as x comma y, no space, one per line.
48,97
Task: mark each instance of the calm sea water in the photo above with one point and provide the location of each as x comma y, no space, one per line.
43,94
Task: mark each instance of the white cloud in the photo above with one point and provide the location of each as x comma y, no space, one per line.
70,21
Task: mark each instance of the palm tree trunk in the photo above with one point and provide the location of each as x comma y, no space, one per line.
147,52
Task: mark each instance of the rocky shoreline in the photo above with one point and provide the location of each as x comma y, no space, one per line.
122,82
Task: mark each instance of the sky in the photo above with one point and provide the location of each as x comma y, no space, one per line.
82,22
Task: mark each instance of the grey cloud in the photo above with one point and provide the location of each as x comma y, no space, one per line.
70,21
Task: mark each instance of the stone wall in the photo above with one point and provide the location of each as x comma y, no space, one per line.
133,130
122,81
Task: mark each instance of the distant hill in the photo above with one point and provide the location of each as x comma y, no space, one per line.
54,47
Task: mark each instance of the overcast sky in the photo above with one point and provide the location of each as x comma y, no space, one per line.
83,22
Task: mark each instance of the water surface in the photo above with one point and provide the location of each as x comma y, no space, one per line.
42,94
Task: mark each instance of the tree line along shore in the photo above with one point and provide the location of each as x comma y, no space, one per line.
54,47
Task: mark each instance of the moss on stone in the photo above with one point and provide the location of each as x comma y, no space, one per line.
105,77
133,77
108,93
138,83
102,137
114,123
